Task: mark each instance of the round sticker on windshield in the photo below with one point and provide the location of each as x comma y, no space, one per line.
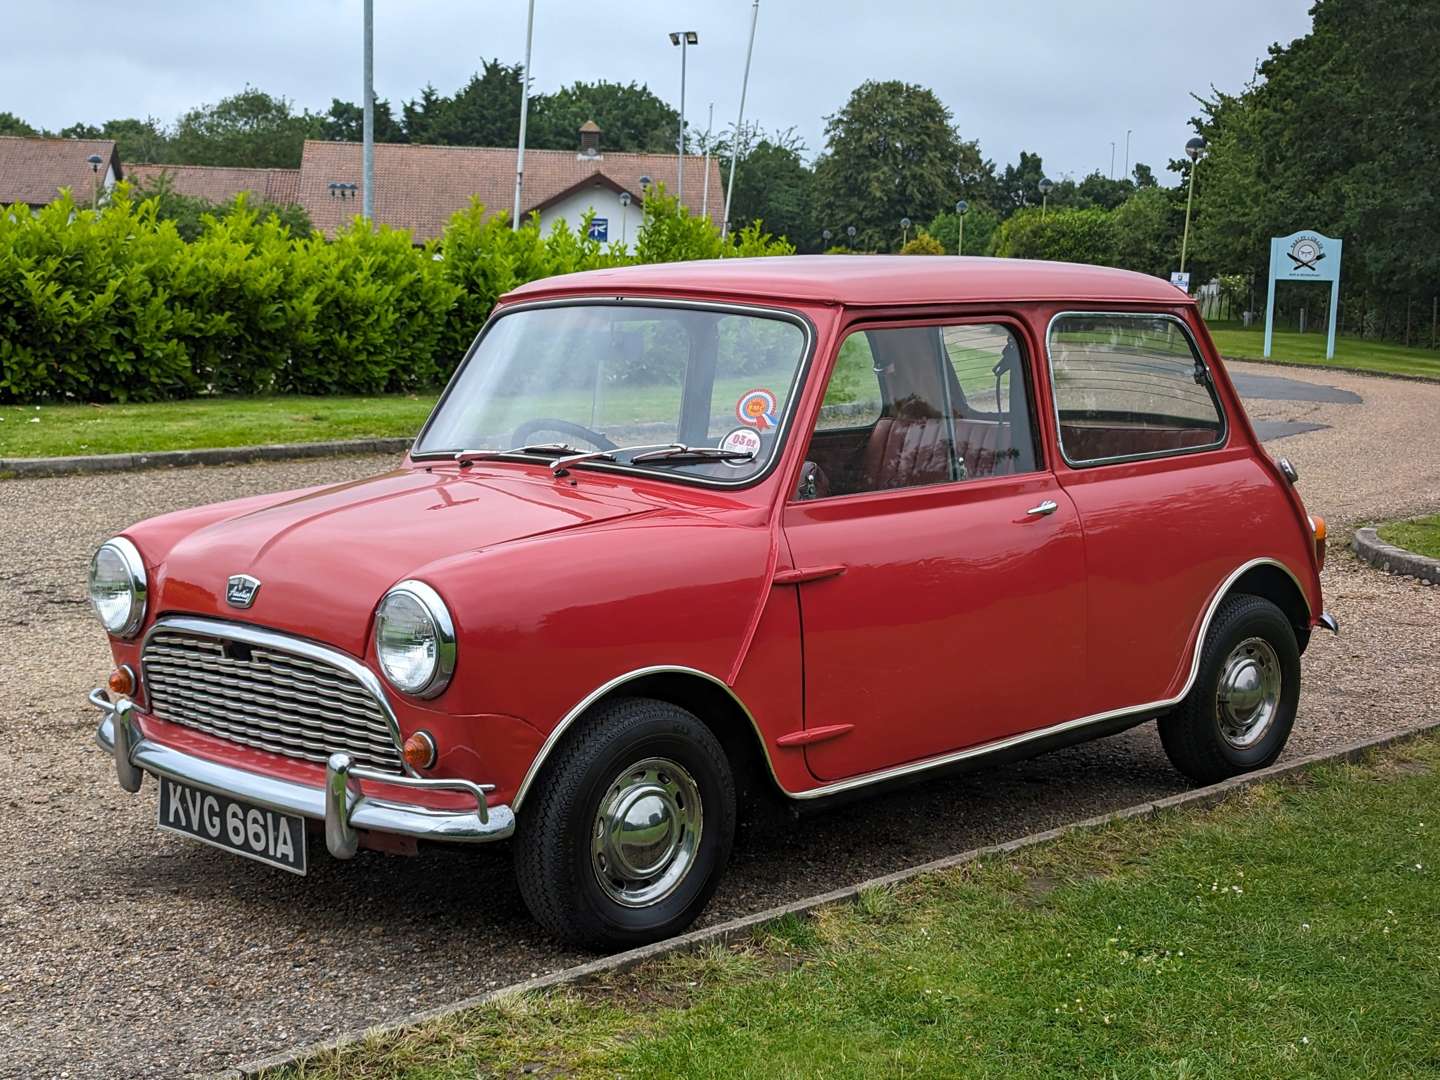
757,408
742,440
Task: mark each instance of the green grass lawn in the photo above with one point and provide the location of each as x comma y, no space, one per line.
1421,536
55,430
1289,932
1236,342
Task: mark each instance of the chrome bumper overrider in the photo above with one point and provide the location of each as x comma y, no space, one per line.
340,803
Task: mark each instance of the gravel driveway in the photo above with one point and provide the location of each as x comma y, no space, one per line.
128,952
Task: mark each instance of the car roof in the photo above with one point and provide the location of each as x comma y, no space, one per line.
878,280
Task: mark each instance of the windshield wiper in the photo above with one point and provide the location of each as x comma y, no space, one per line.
696,453
561,465
467,457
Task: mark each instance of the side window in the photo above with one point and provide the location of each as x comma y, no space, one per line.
918,405
1129,386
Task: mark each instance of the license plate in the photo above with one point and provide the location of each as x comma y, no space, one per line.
236,826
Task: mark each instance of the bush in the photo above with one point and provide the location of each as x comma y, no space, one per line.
923,244
1066,235
116,305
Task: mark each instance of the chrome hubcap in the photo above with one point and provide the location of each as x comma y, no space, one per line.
646,832
1248,696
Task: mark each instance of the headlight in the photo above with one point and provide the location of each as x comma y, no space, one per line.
415,639
117,586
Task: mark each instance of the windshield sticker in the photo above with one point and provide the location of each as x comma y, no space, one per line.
742,440
758,409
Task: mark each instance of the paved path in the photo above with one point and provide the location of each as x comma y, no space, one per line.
133,953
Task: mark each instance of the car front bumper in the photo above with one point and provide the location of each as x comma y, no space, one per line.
340,803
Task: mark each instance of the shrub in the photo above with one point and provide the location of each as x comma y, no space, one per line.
923,244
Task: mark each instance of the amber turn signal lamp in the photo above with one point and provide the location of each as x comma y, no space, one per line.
1317,526
420,751
122,681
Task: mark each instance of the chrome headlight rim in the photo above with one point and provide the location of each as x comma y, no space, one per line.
446,648
139,589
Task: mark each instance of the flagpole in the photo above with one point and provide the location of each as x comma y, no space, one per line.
740,120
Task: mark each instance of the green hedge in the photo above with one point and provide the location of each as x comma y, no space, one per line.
115,306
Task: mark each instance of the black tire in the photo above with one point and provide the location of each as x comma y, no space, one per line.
558,878
1194,734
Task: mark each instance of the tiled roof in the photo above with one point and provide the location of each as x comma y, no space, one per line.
220,184
34,170
419,187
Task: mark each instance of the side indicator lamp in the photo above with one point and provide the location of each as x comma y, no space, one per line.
1317,528
420,751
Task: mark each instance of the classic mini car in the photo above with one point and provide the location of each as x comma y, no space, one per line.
816,523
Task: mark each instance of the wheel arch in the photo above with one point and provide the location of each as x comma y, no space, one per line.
707,697
1274,582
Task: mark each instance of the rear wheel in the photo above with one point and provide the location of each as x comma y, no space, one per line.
1239,712
628,828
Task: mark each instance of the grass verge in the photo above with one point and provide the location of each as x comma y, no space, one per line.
1288,931
63,430
1237,343
1422,536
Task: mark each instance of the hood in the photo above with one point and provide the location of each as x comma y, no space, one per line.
325,557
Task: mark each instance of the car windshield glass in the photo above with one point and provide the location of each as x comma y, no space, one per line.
606,376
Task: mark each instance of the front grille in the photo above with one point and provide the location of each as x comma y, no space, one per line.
265,697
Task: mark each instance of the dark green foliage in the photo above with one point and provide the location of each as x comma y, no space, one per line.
10,124
774,187
118,306
250,129
632,118
346,122
188,211
483,112
1082,236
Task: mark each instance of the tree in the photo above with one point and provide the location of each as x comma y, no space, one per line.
980,225
631,117
188,212
1067,235
774,186
1019,184
1146,231
345,122
892,152
250,129
10,124
483,112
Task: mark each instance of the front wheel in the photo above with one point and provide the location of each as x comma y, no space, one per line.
629,827
1239,712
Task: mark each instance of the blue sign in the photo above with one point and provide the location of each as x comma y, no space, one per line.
1304,256
1180,279
600,229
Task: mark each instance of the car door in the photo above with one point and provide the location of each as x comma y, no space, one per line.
939,564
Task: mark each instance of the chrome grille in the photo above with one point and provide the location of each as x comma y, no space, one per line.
266,697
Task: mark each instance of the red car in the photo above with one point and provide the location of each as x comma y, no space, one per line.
821,522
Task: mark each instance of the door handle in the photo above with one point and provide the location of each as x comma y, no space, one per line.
1046,508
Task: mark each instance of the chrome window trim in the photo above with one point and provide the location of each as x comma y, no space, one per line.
1090,463
139,586
897,771
782,431
311,650
446,647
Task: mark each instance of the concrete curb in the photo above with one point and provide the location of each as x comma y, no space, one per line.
1293,365
742,927
31,468
1394,560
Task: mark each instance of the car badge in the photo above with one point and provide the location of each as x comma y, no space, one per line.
241,589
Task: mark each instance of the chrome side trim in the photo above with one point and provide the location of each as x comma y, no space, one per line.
897,771
620,680
271,639
1116,459
359,811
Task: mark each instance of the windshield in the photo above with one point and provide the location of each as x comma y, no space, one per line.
628,378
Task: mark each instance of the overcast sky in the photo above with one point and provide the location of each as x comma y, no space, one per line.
1054,76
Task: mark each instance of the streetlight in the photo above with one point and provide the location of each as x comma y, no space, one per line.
850,232
625,220
904,231
1193,150
1112,159
1046,186
961,209
683,38
825,235
95,161
1127,152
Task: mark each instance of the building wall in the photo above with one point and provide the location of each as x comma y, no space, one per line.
623,223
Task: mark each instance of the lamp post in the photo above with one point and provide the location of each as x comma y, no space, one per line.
683,38
904,231
739,120
961,209
850,234
1127,152
95,161
1046,186
625,220
1112,159
1193,150
367,116
825,235
524,115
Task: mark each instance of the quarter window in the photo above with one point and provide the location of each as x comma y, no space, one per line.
918,405
1129,386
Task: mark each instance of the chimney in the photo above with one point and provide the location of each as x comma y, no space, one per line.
589,139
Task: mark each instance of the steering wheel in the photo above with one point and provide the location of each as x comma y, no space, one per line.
525,433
